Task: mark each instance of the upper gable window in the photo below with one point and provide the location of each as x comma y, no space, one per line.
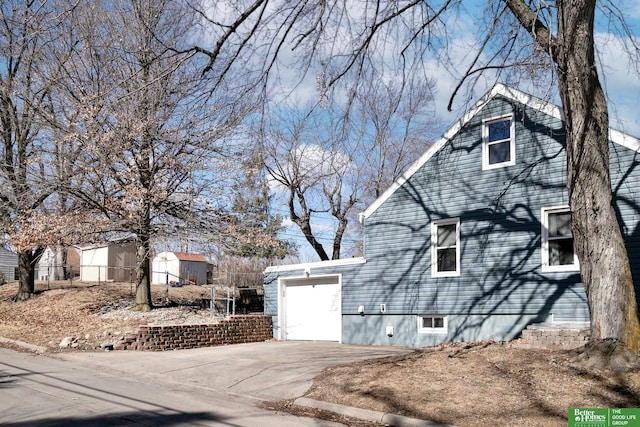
498,142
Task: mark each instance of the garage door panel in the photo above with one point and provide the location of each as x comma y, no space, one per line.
313,312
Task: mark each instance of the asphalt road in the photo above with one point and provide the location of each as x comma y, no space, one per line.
216,386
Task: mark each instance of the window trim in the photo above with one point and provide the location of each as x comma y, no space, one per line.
434,248
546,268
423,330
486,143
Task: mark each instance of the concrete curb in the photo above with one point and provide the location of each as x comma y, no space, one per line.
25,345
368,415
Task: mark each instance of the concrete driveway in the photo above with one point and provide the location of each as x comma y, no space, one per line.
262,371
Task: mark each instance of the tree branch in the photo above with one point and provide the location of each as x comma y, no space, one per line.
529,20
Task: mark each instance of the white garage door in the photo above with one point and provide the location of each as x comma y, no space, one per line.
312,309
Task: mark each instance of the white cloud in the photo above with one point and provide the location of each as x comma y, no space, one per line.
288,223
316,161
620,79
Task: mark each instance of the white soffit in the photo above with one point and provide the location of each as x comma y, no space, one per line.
309,265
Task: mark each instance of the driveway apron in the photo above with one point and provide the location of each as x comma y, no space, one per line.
273,370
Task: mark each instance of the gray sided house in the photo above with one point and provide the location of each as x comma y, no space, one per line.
8,264
472,243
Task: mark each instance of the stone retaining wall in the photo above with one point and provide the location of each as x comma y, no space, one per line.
554,337
232,330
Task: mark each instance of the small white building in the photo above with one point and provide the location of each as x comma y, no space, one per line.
58,263
109,261
48,266
181,267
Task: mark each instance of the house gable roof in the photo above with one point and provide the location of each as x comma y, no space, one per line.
184,256
502,90
104,244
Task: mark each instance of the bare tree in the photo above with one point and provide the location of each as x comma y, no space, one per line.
559,38
335,160
27,32
145,119
394,124
314,169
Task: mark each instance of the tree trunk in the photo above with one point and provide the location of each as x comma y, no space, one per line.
604,263
337,240
304,222
26,273
60,263
143,280
305,226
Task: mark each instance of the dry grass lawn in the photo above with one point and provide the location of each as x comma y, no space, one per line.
89,312
477,384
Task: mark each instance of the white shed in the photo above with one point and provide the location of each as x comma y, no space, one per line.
109,261
181,266
48,267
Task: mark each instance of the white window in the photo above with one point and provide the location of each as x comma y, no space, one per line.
445,248
432,324
498,142
558,251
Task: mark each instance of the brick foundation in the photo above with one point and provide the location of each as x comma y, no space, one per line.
232,330
554,336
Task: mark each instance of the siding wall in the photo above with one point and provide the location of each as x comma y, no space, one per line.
8,264
93,264
122,261
163,263
625,177
500,229
194,271
501,287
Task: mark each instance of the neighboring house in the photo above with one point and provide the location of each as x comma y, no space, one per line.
58,263
179,267
109,261
8,264
472,243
